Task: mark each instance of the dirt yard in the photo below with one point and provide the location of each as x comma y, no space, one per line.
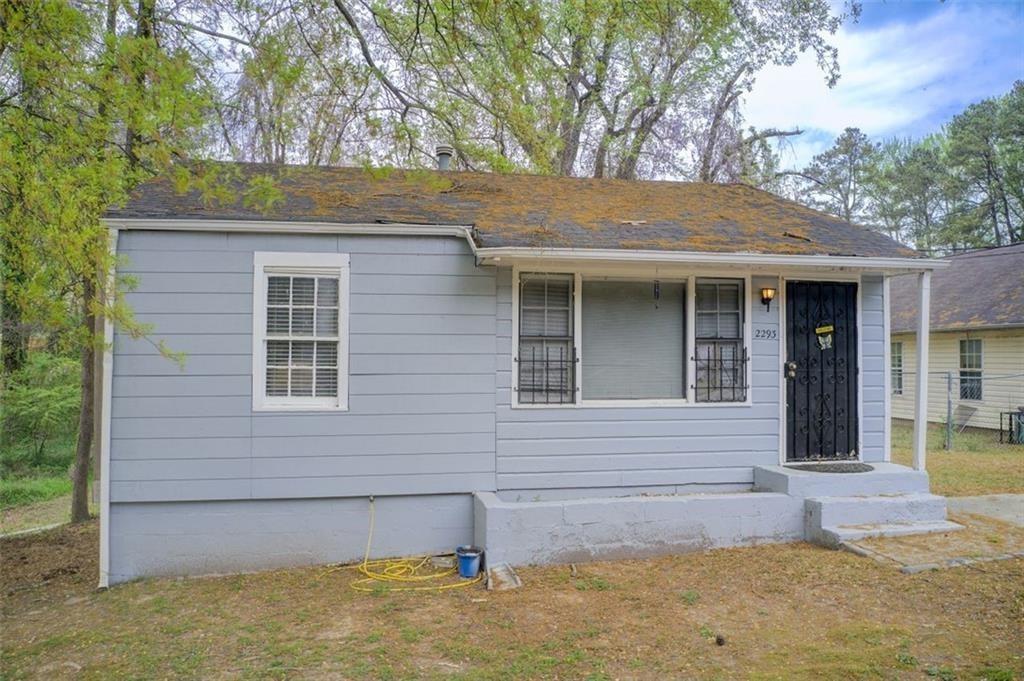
780,612
40,514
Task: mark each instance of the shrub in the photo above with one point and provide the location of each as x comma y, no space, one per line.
40,405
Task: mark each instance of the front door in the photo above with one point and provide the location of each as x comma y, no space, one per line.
821,371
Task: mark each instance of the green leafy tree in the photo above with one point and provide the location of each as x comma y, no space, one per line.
40,402
921,176
572,87
1010,121
835,179
982,150
90,105
887,208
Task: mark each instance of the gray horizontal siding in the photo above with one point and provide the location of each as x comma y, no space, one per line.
193,447
624,477
873,369
630,447
359,303
240,365
219,489
188,406
373,284
422,375
359,344
142,262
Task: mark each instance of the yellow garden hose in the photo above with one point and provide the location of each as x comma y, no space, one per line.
402,574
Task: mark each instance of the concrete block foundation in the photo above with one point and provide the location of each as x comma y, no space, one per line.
212,537
577,530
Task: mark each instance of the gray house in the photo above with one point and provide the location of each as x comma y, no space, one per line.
552,368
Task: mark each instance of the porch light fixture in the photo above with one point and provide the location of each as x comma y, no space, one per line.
767,296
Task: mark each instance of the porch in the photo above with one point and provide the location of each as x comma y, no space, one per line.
785,505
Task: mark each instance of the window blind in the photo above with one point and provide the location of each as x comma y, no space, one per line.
633,341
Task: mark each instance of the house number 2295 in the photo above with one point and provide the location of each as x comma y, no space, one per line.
769,334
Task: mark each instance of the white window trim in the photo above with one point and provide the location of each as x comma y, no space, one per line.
893,370
980,370
331,264
582,274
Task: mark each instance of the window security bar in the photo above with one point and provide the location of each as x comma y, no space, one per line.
721,371
547,375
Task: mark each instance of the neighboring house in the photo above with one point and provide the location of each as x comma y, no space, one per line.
549,367
977,338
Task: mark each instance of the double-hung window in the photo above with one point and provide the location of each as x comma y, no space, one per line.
970,369
720,355
300,331
896,363
547,358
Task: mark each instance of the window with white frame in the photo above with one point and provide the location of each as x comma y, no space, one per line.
592,339
720,355
547,350
300,331
896,364
970,369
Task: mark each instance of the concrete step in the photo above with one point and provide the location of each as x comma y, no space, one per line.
874,510
886,478
844,534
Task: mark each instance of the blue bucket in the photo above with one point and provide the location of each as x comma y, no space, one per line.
469,561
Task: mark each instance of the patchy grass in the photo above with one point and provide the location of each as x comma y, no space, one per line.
772,612
977,464
24,491
690,597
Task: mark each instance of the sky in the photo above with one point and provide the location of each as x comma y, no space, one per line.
908,66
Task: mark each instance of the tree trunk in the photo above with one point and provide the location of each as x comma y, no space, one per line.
86,417
98,322
15,340
145,21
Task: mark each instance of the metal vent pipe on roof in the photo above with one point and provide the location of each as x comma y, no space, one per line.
444,156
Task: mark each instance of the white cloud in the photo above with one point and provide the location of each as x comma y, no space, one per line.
903,77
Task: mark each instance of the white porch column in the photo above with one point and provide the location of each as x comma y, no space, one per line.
924,291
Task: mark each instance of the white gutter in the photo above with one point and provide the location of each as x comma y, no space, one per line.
290,227
105,411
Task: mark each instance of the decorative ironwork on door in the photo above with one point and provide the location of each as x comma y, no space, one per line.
821,371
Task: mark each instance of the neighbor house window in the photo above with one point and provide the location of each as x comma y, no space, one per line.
633,343
300,331
896,363
547,360
970,369
720,356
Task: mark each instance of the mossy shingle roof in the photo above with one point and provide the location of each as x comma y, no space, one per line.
529,210
980,289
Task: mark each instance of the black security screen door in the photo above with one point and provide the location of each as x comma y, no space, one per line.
821,371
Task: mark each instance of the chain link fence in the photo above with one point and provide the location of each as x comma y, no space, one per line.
963,399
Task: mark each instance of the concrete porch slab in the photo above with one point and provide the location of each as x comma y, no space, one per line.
885,478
